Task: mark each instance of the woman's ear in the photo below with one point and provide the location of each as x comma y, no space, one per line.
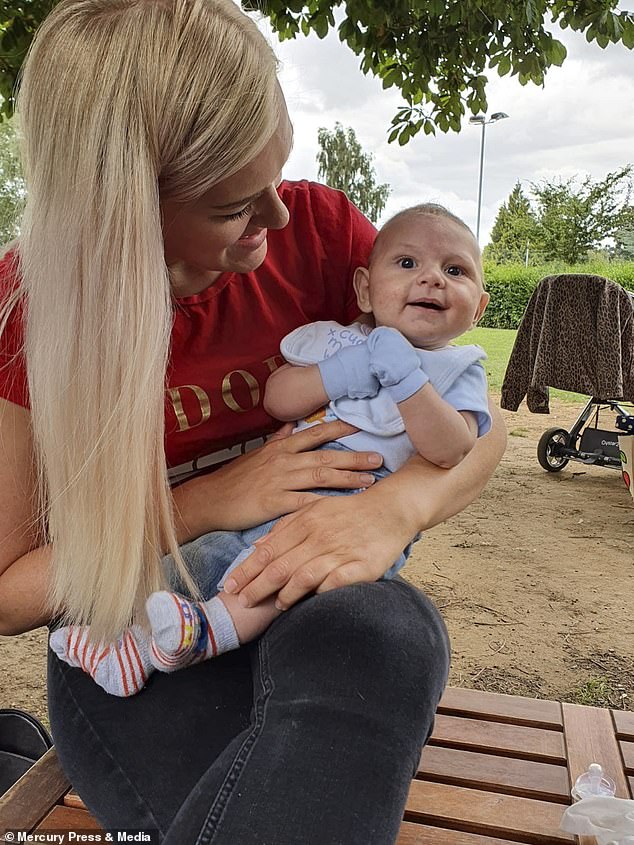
361,283
484,301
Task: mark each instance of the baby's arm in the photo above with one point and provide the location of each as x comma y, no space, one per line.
295,392
440,433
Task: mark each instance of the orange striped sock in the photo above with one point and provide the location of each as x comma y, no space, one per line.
121,668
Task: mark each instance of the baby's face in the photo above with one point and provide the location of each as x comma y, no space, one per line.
425,280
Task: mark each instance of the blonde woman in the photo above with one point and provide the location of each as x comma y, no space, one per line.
159,265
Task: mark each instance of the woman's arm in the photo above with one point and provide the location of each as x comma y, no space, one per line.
339,541
437,494
23,566
264,484
23,593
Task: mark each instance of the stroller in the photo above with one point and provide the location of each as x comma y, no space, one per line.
586,442
577,334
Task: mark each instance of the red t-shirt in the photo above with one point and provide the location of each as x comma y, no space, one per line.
226,339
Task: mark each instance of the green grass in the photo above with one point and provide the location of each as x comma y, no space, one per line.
498,343
595,692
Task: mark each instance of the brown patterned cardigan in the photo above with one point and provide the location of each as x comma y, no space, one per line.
577,333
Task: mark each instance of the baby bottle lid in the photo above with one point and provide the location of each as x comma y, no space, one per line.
593,783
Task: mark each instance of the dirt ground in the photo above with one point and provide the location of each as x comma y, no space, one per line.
535,581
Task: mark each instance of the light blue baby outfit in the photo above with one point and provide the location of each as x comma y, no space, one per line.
454,371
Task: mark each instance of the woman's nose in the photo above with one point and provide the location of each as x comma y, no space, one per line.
270,211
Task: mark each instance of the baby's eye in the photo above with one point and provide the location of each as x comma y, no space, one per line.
454,270
407,263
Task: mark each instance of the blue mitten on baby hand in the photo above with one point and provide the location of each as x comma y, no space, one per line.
395,363
347,373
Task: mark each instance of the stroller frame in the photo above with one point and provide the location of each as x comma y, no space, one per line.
557,446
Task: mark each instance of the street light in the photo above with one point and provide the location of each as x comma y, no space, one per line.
482,121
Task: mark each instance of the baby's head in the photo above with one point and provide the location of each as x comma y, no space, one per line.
424,277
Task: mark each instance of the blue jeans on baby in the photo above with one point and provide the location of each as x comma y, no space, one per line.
210,556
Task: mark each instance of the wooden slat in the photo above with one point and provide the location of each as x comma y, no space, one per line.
71,799
497,738
494,774
501,708
627,750
590,738
486,813
526,778
67,818
34,794
624,721
422,834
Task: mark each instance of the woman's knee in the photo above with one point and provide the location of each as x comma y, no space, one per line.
387,630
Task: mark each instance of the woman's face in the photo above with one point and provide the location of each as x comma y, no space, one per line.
226,228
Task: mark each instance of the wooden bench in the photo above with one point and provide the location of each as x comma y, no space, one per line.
498,769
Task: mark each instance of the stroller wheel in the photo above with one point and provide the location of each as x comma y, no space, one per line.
548,448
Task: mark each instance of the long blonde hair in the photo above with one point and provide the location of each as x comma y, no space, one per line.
120,100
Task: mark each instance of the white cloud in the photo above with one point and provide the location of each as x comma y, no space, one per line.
580,122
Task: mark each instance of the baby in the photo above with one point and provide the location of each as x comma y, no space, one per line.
392,374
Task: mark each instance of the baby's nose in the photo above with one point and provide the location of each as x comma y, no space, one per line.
432,277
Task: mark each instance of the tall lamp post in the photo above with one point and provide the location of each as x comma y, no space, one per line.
480,119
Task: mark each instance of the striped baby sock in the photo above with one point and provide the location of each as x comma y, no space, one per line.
121,668
186,632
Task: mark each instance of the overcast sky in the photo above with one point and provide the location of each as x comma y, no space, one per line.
580,122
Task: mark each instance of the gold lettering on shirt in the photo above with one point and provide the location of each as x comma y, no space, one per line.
227,394
273,363
174,394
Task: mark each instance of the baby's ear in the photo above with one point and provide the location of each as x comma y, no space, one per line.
361,283
484,301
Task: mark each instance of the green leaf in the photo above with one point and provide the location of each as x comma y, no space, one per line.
504,65
557,53
320,25
392,77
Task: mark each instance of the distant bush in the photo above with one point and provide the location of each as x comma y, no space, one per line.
511,285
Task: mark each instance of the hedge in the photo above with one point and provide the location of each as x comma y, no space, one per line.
511,285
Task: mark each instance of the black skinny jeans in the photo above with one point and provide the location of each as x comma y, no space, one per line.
308,736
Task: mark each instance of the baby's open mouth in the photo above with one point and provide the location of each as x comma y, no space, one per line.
435,306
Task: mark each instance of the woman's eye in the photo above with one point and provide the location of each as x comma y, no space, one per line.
407,263
238,214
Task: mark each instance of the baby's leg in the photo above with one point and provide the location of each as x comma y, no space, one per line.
186,632
250,622
120,669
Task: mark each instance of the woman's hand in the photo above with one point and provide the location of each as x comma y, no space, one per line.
330,543
337,541
272,480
